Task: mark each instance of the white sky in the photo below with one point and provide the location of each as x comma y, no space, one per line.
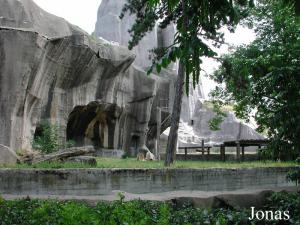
241,36
83,13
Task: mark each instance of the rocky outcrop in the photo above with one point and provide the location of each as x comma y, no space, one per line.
50,69
95,90
194,115
197,129
230,129
96,124
45,77
192,132
7,156
110,27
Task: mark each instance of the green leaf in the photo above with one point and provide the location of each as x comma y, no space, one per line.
149,71
158,68
165,62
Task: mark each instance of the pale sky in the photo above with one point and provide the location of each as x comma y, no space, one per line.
83,13
241,36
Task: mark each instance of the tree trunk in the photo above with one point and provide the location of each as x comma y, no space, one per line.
64,154
175,119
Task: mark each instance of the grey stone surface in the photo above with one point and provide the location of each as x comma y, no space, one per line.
91,182
27,16
237,199
229,129
192,134
7,156
50,69
109,153
198,199
110,27
149,156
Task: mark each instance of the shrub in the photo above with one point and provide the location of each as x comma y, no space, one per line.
284,201
48,140
138,212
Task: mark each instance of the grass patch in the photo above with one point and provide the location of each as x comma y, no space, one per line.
133,163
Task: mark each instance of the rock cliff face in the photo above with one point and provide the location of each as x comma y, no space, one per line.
52,70
110,27
192,132
93,89
194,116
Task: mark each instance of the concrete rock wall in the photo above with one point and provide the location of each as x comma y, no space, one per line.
138,181
7,156
48,67
110,27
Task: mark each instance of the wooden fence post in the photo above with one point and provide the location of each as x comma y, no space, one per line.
238,151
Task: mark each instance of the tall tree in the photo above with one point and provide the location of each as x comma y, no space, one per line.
265,76
198,26
175,118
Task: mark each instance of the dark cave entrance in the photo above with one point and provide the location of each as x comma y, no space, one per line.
95,124
80,129
134,144
38,131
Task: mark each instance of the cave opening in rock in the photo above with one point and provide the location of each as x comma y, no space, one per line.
95,124
38,131
135,144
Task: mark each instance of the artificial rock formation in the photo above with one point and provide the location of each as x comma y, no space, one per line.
194,115
48,67
52,70
95,90
97,124
7,156
192,132
110,27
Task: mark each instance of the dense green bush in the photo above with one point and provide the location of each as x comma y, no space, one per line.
262,79
286,201
36,212
48,140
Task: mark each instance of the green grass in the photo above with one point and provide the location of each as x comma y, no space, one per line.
133,163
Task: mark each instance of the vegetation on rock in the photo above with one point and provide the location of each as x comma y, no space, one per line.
48,139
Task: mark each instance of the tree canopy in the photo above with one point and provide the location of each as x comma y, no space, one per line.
265,76
205,18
